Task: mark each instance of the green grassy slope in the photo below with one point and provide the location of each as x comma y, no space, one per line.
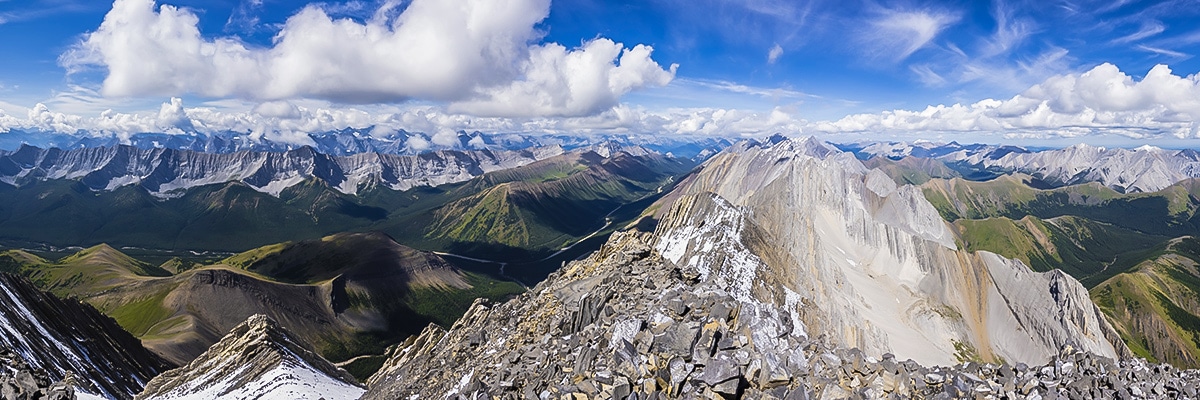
1168,212
1088,250
1156,306
527,212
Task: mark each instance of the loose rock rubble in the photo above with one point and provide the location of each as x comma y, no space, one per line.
1072,375
622,324
20,382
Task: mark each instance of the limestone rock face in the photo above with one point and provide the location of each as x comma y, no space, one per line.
871,265
52,339
257,359
625,322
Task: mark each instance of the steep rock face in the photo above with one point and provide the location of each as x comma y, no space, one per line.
874,266
68,338
256,360
162,171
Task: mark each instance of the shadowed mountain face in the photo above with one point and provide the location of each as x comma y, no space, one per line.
347,294
63,337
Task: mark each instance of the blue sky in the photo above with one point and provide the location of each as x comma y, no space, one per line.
1001,71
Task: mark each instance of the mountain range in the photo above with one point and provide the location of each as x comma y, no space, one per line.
166,173
784,268
754,285
351,141
189,201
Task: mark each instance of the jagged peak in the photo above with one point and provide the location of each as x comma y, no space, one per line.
256,359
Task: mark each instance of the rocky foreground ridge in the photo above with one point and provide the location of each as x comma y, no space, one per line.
65,339
625,324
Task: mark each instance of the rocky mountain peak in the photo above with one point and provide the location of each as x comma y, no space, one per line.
256,359
875,265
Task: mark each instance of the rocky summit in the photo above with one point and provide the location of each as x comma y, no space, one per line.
256,360
625,323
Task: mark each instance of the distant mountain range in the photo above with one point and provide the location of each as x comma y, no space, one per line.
186,200
781,268
348,142
1140,170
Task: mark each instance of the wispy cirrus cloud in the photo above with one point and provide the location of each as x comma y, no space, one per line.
1148,29
897,34
733,87
1160,51
1011,31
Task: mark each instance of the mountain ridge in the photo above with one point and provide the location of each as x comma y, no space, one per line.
256,359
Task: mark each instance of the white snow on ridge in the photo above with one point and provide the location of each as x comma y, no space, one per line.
288,381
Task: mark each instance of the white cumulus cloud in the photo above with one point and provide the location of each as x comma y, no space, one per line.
1101,100
474,54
